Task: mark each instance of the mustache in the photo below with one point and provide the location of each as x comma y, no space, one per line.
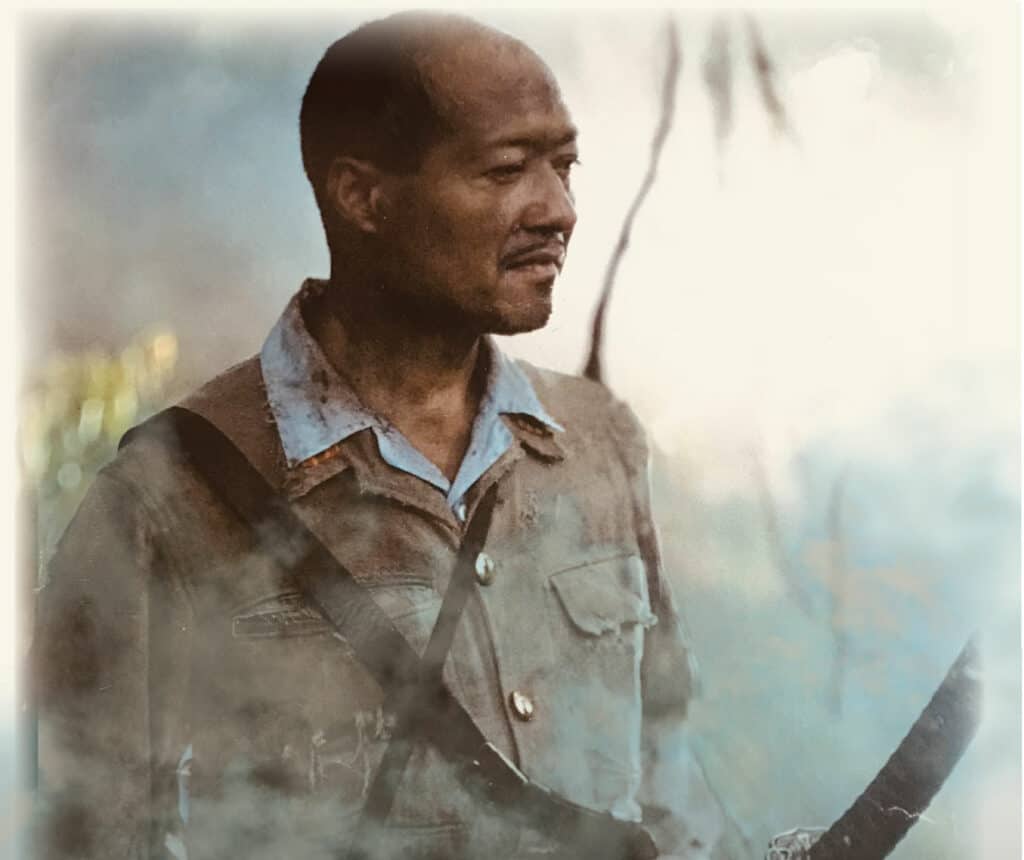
547,250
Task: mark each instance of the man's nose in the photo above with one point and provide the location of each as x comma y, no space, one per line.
552,206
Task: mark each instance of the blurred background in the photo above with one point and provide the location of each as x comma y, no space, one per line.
816,316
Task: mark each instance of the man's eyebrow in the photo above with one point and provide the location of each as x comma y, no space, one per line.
534,142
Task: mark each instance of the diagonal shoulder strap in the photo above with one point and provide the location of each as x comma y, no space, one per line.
385,652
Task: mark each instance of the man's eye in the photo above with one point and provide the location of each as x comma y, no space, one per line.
507,171
564,166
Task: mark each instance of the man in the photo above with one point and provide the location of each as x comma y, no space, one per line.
200,703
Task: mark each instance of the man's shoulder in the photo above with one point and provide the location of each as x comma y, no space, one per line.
586,408
233,397
234,401
555,388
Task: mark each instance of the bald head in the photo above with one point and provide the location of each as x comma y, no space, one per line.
390,89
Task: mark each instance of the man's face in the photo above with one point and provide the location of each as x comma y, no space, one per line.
477,236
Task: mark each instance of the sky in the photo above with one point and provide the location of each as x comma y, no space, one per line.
836,305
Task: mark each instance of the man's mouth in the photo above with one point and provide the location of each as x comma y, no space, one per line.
544,261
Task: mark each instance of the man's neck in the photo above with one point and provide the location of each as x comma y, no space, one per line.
426,383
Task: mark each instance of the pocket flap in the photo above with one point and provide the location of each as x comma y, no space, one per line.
279,616
602,596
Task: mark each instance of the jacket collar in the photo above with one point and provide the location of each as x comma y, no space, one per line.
316,412
537,436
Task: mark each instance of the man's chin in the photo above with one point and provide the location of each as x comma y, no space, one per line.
521,319
524,305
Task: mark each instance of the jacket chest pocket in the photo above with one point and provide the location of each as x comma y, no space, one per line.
601,610
605,603
295,660
290,653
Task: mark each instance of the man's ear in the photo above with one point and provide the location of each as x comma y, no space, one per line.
354,190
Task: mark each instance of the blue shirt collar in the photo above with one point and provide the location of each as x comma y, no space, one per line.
315,409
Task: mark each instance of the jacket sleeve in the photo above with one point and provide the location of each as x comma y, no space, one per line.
109,667
679,809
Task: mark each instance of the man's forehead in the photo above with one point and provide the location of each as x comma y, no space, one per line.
497,89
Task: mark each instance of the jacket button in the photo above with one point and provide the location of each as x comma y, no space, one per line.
484,569
522,705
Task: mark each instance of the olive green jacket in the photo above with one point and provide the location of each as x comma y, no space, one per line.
163,625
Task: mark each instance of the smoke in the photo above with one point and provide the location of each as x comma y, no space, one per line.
842,302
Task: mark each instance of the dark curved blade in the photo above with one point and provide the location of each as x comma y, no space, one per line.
912,776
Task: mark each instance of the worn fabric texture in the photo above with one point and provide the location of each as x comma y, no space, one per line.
164,625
